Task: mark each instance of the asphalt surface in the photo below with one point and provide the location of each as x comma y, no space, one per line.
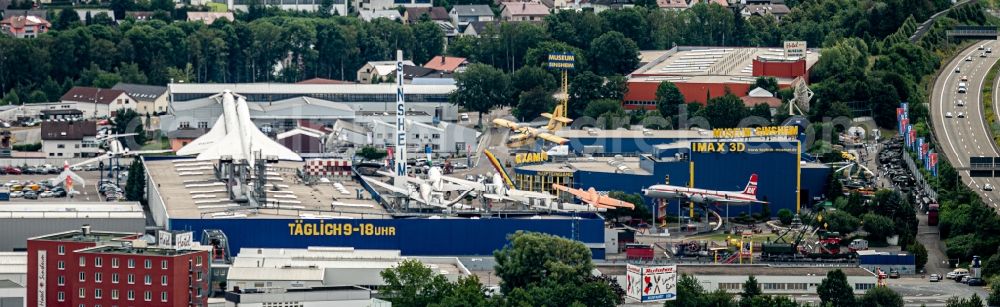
961,138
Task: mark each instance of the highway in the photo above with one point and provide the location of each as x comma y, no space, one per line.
961,138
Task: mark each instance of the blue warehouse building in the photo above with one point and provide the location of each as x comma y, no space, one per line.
634,160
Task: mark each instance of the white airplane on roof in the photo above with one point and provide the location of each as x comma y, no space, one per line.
430,191
498,191
68,178
525,134
745,197
591,197
235,135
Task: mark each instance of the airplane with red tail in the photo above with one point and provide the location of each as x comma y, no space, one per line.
745,197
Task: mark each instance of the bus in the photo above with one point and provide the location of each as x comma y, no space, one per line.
932,214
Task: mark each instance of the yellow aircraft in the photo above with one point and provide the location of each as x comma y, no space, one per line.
526,134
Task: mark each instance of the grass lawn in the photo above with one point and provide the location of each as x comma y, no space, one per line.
217,7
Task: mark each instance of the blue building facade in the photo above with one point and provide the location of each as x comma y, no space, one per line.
417,236
716,165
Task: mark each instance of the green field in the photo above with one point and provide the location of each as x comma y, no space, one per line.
217,7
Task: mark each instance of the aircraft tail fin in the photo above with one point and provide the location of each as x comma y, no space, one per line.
751,188
206,141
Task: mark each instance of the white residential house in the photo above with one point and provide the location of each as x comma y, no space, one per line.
98,102
524,11
150,99
379,69
69,139
462,15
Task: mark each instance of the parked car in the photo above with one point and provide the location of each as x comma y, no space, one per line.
974,281
935,278
893,274
59,192
956,273
16,194
987,187
30,195
12,170
46,194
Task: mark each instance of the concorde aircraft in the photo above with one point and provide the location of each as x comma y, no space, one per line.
525,134
745,197
591,197
235,135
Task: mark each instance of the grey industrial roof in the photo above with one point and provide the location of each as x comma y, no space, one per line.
291,88
298,101
768,270
472,10
141,91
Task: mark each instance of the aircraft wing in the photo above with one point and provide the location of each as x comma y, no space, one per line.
499,122
91,160
560,119
264,144
608,201
552,138
467,184
576,192
61,178
530,194
206,141
143,152
386,186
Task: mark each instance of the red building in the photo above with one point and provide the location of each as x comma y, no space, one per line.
708,72
94,268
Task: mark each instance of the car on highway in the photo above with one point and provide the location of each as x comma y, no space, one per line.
989,50
961,114
968,59
947,114
960,103
935,278
958,69
981,47
962,89
987,187
965,78
982,55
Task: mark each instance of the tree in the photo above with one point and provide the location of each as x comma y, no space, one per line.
974,301
467,291
751,289
835,291
544,270
66,19
128,121
529,77
533,103
532,258
919,253
761,110
613,53
37,96
725,111
785,216
994,296
600,107
11,98
481,88
668,99
370,153
135,186
839,221
878,227
428,41
615,87
413,284
768,83
881,297
689,293
584,88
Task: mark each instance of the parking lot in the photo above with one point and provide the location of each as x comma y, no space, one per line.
87,191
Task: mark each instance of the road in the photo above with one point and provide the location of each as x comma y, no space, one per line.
961,138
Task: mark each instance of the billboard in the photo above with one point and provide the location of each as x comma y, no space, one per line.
795,49
183,240
562,60
164,238
652,283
